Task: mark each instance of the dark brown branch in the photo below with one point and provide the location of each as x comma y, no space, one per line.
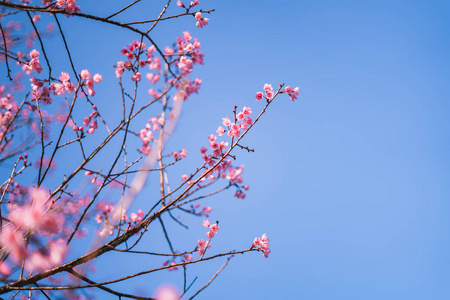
42,46
6,51
123,9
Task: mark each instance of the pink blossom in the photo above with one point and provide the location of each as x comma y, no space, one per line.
97,78
176,155
206,223
268,87
183,153
34,54
85,74
214,227
180,4
293,93
202,22
262,243
64,77
184,177
259,96
220,131
136,77
226,121
187,36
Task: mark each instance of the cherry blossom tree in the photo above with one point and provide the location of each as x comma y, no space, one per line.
74,174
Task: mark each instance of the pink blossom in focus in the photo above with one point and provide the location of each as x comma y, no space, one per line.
292,92
259,96
226,121
85,74
262,243
220,131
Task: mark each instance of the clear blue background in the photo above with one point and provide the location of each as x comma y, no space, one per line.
350,182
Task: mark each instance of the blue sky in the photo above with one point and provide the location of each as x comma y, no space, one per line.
350,182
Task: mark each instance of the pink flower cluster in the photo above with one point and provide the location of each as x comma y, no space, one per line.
200,20
292,92
33,64
234,129
146,133
269,92
64,86
8,106
40,92
262,244
188,47
133,50
213,228
33,216
177,155
192,4
198,16
91,121
69,5
202,245
186,55
219,148
90,81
